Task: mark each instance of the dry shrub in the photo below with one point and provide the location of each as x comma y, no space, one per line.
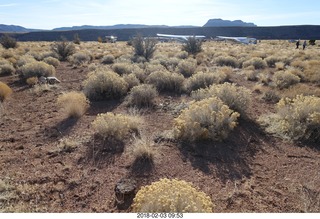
6,69
257,63
75,104
52,61
236,97
25,59
251,75
271,96
122,68
182,55
63,49
166,81
272,60
311,71
226,61
152,67
173,195
280,66
107,59
131,80
208,119
36,69
104,84
284,79
5,91
142,96
115,126
295,119
80,58
32,81
187,67
300,88
203,80
169,63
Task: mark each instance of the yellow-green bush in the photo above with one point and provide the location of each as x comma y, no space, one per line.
173,195
115,126
208,119
36,69
73,103
295,119
142,95
284,79
166,81
104,84
235,97
5,91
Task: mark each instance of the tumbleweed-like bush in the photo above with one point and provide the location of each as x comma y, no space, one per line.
73,103
104,84
208,119
173,195
187,67
296,119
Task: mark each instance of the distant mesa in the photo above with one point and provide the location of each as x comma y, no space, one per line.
227,23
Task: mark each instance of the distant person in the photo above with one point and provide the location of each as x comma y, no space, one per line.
297,44
304,44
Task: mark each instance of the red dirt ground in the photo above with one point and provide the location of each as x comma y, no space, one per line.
249,172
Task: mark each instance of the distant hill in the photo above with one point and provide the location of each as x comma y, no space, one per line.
279,32
117,26
226,23
15,29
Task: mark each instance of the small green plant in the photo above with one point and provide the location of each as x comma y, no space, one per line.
142,96
192,46
173,195
208,119
296,119
8,42
73,103
63,49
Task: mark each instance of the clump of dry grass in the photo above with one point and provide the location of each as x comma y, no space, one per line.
115,126
5,91
74,103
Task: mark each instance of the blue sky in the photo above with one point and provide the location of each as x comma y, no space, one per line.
49,14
